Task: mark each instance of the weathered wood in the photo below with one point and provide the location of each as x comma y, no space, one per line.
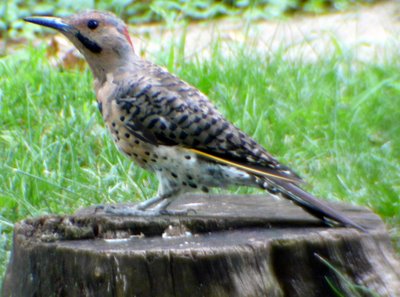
231,246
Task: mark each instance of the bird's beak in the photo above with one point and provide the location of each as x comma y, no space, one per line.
51,22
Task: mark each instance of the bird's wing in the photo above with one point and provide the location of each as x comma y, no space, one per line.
164,110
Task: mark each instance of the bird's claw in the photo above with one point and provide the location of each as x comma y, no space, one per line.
182,212
136,211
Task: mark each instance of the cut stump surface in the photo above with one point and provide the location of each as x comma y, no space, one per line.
230,246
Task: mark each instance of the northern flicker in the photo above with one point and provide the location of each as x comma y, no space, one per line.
169,127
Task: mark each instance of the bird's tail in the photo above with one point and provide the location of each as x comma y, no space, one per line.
313,205
286,184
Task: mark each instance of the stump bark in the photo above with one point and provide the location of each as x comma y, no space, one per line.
231,246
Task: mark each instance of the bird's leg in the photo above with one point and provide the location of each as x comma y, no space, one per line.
141,209
160,203
161,208
156,206
149,202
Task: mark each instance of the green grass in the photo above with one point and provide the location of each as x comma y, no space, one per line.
336,122
349,288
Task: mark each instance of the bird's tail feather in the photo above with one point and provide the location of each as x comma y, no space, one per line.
281,182
313,205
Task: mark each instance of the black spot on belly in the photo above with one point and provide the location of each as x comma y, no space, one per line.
174,175
187,157
214,172
192,185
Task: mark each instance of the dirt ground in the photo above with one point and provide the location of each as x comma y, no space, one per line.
372,30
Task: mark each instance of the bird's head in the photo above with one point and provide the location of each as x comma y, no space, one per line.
101,37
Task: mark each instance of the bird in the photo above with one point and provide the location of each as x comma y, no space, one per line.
172,129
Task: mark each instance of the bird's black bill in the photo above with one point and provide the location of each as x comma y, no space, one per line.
51,22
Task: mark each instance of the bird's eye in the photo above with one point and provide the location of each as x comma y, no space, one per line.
92,24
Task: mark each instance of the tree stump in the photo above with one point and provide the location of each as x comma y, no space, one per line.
231,246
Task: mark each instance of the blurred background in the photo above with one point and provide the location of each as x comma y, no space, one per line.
155,11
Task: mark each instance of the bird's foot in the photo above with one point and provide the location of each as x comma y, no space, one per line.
138,212
183,212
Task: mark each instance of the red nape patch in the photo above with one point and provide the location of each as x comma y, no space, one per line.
126,33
